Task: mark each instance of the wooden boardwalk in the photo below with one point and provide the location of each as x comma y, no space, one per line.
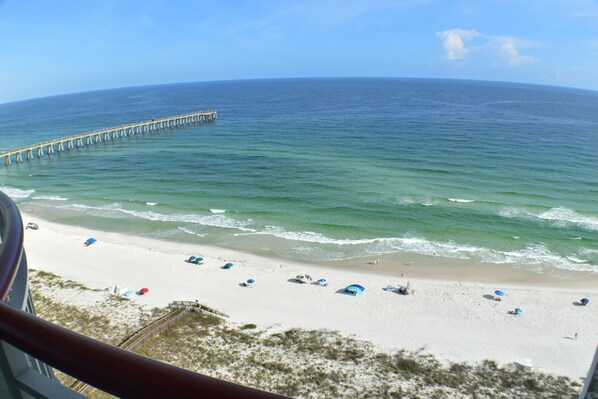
68,143
179,310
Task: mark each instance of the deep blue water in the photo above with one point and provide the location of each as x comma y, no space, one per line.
330,168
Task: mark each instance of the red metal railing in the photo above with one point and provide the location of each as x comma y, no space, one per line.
118,372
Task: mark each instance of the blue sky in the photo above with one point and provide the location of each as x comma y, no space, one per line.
55,47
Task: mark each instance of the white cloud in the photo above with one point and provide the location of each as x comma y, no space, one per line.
508,48
454,40
505,47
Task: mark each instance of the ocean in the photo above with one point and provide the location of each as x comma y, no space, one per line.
328,169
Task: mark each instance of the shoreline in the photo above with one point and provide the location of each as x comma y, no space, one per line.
453,320
393,265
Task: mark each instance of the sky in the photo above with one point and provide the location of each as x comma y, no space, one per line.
56,47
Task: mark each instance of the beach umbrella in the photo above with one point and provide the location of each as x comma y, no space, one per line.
251,281
355,289
585,301
198,259
518,310
322,280
143,291
228,265
499,293
192,258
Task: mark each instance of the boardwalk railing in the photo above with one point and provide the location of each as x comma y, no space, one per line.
68,143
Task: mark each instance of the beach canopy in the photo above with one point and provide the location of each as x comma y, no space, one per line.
355,289
251,281
499,293
585,301
518,310
143,291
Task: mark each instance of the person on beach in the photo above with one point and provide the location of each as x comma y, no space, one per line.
575,337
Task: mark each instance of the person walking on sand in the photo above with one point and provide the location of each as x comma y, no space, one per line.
575,336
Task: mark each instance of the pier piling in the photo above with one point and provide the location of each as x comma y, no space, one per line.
103,135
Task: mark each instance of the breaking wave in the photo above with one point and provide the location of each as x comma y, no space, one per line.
16,193
560,217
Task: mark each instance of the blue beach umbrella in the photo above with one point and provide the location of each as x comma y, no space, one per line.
585,301
228,265
251,281
199,259
322,280
499,293
192,258
355,289
518,310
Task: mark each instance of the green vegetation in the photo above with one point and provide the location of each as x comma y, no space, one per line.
295,363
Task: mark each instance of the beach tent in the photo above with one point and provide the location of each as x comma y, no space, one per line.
143,291
354,289
89,241
584,301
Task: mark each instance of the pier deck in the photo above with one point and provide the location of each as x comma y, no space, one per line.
68,143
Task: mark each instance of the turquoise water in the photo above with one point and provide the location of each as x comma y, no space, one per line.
327,169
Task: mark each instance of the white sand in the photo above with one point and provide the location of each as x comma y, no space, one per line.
452,320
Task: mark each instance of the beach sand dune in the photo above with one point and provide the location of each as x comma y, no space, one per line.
454,320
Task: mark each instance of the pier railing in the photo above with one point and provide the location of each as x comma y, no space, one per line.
29,344
68,143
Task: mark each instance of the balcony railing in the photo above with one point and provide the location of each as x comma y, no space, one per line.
28,344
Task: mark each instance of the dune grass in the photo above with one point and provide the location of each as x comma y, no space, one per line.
296,363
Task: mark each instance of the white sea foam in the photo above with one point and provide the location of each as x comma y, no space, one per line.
212,220
533,255
151,203
49,198
217,210
560,217
188,231
459,200
567,216
16,193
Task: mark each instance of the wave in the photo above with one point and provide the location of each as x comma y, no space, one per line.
211,220
217,210
533,255
569,216
410,201
49,198
188,231
204,220
16,193
460,200
151,203
560,217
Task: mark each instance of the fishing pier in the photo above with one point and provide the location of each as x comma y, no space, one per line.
69,143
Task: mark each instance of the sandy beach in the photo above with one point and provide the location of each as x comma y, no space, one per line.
453,318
